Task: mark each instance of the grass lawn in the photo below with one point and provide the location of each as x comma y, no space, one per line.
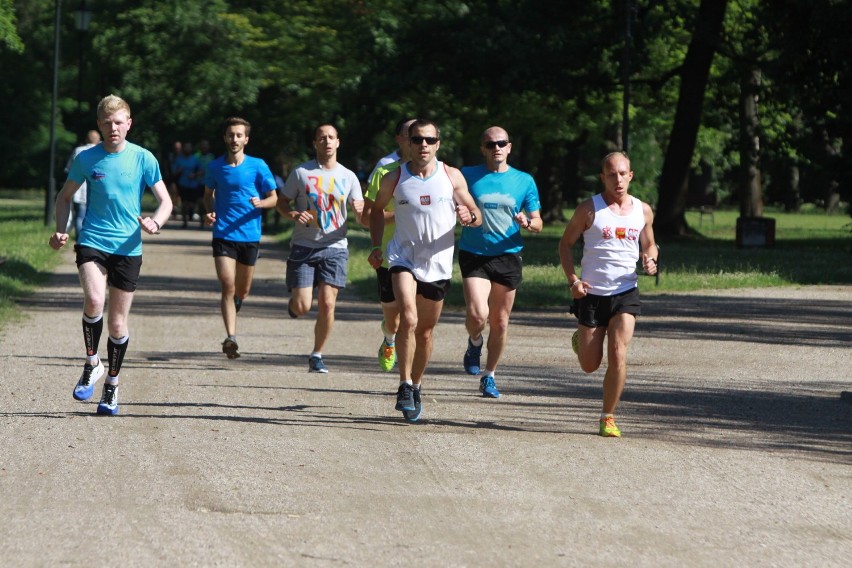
29,260
810,248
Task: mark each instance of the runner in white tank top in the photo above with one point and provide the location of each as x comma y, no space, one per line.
428,196
614,225
423,238
611,248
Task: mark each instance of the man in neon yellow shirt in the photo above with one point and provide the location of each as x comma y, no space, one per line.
390,310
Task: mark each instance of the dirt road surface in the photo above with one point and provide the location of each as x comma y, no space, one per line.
737,439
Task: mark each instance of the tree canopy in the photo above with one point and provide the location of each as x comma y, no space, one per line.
553,74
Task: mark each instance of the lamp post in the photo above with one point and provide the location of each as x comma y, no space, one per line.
50,195
82,17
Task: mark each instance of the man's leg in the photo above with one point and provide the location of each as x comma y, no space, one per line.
476,292
301,300
119,339
619,334
501,301
405,290
428,313
93,281
326,302
591,340
226,270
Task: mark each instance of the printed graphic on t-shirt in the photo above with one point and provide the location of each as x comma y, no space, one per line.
327,197
620,233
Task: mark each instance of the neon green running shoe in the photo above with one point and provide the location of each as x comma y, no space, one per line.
609,429
575,342
387,356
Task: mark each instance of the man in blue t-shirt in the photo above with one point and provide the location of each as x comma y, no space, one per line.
109,248
238,188
189,176
490,255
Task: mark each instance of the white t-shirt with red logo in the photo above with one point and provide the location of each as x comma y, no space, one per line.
611,249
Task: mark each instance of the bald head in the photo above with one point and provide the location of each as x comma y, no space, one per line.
495,146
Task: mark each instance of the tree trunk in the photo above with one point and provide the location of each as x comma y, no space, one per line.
751,193
670,219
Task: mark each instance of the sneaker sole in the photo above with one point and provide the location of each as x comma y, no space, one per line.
412,416
486,394
106,411
230,349
321,371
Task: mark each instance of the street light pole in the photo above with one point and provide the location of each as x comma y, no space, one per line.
82,17
50,196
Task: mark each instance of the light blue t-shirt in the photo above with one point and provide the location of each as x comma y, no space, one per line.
236,218
115,183
190,170
499,196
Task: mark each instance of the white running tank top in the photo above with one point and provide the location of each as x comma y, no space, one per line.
611,249
424,225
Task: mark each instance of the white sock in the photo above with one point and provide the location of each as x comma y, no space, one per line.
316,354
477,342
390,338
604,416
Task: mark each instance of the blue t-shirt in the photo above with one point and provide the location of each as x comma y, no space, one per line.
236,218
499,196
115,183
190,171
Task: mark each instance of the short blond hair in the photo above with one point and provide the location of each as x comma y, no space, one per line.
110,104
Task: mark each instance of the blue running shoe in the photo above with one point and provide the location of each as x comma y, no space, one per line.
315,365
405,398
488,388
109,401
414,415
85,387
471,358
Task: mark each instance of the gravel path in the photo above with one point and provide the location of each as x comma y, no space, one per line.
736,451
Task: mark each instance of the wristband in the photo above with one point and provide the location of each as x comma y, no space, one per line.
654,260
375,248
577,281
155,222
472,218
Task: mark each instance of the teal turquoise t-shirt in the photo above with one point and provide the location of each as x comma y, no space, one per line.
499,196
236,218
115,184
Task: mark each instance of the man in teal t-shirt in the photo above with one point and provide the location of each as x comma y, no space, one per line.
109,250
238,188
490,255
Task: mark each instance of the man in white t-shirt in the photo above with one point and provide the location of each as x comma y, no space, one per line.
315,197
614,226
78,202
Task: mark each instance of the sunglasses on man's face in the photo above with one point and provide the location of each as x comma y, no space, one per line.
491,144
430,140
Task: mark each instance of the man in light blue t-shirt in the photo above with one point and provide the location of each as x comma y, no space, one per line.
238,188
490,255
109,248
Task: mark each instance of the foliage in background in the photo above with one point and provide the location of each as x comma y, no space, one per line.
551,72
28,260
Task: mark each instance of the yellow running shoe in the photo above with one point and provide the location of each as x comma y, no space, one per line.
609,429
387,356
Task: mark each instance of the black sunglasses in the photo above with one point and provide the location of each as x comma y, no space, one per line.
419,140
491,144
